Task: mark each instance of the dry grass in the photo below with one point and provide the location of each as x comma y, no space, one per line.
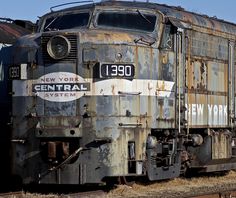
178,187
29,195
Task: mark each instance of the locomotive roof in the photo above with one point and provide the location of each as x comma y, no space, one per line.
171,11
10,32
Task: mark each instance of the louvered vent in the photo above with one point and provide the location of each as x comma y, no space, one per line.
72,57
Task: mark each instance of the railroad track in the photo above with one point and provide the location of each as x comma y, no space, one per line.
21,194
231,194
100,194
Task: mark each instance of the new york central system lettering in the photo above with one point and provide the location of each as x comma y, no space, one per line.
207,113
60,87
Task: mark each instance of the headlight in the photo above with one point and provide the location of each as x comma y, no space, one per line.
58,47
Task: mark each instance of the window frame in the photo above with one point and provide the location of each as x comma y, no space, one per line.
42,22
125,10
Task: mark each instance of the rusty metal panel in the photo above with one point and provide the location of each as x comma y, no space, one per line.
217,77
167,69
198,20
204,21
146,62
207,99
207,45
221,145
197,75
108,53
10,32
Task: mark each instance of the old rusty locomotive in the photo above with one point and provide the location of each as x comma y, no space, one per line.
123,89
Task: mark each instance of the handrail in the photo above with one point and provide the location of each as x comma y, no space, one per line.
75,2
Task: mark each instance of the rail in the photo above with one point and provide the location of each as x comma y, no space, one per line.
21,194
230,194
70,3
103,194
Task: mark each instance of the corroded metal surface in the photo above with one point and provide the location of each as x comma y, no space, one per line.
10,32
98,99
202,21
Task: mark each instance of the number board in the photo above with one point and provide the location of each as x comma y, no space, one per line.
117,70
14,72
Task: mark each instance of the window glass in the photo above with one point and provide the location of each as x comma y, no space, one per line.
133,21
67,21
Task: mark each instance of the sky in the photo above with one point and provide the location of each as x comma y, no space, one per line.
32,9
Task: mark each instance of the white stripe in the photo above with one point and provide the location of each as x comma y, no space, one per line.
143,87
107,87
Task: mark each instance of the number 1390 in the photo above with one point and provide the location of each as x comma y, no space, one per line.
111,70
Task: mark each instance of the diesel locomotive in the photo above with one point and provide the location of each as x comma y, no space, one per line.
122,89
10,31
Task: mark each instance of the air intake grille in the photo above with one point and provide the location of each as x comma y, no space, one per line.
72,57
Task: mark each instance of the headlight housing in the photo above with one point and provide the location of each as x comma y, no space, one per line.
58,47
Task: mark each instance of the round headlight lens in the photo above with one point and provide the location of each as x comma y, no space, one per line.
58,47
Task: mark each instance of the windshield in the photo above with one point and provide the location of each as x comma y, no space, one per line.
133,21
67,21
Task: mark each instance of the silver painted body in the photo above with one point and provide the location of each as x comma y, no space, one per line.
81,128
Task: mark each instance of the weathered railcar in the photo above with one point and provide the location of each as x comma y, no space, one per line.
113,89
10,31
